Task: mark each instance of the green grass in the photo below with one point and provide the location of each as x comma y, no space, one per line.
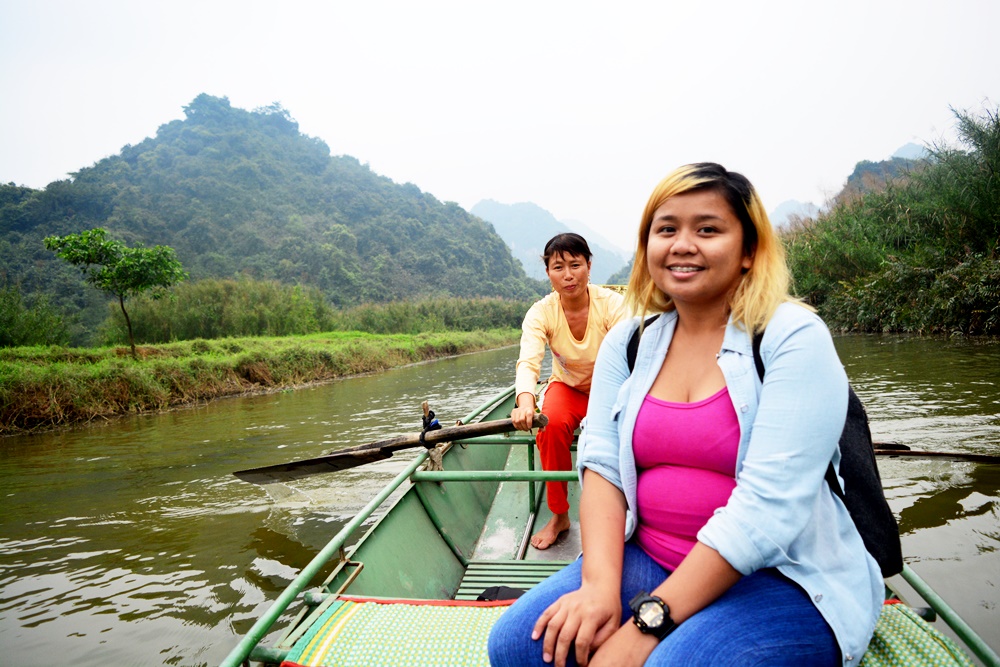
42,387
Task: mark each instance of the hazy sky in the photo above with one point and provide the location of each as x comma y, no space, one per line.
579,107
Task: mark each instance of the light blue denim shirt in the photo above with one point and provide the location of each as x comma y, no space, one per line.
782,513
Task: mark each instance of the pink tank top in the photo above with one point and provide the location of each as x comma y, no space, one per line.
685,454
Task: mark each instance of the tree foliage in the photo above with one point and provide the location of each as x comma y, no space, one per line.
215,308
244,193
114,268
918,253
21,324
621,276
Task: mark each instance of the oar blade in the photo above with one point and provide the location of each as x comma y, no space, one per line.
376,451
293,470
926,454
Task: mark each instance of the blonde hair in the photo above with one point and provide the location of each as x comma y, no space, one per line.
764,286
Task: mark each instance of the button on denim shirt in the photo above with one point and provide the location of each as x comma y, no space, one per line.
782,513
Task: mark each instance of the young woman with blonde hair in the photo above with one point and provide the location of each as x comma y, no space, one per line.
710,536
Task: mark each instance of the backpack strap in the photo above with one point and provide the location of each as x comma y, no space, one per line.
758,361
632,349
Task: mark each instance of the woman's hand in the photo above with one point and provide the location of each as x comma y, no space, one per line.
626,648
522,417
582,620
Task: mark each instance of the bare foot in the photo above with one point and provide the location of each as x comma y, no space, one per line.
557,525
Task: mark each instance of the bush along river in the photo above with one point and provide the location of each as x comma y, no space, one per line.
131,542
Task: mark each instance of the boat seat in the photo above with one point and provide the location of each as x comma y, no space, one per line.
903,639
358,632
521,574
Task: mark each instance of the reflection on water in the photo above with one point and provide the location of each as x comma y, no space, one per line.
969,493
131,542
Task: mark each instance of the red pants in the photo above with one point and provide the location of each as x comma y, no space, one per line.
565,407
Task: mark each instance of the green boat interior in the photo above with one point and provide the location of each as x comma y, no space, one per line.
405,592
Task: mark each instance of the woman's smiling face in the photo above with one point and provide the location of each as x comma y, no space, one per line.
695,249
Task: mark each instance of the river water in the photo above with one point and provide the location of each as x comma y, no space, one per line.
130,542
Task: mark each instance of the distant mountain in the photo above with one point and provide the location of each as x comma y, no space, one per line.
871,176
867,176
912,151
244,193
527,227
620,277
781,215
624,246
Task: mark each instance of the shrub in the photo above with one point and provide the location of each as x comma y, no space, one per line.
20,324
920,254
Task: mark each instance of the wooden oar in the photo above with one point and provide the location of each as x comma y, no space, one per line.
902,450
375,451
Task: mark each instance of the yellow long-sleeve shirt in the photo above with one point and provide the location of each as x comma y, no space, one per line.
572,359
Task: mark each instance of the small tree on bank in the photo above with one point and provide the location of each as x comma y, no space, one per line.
113,267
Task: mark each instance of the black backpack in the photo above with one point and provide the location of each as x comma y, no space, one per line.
862,493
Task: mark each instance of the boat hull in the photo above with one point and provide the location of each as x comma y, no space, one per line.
445,537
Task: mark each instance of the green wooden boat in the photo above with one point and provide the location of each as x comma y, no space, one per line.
406,592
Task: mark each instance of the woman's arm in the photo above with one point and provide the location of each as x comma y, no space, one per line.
586,618
698,581
599,445
534,338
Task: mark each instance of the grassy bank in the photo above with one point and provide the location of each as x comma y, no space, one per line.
42,387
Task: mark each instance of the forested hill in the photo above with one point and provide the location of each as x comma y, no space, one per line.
240,192
871,176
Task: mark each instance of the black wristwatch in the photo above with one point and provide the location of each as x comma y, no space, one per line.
651,615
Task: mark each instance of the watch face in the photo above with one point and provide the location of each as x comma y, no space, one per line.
651,614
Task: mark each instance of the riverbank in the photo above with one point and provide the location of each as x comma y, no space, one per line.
45,387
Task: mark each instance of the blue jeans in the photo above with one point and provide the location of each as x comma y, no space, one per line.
765,619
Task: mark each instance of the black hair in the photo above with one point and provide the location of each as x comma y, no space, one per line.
566,244
736,189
